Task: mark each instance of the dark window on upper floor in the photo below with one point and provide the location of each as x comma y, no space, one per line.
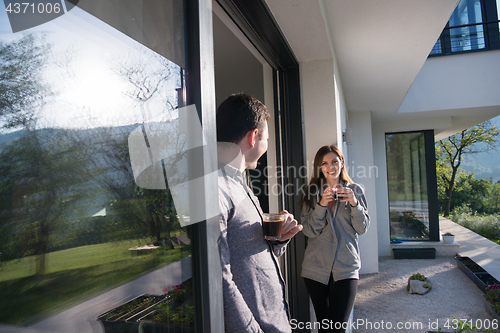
473,26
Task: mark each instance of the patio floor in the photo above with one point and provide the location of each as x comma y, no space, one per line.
382,302
483,251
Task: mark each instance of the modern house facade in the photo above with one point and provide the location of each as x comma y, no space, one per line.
367,76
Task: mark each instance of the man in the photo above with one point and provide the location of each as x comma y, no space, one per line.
253,288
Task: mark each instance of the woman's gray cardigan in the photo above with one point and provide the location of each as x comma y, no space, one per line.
333,247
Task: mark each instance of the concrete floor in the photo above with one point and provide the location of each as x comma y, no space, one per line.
483,251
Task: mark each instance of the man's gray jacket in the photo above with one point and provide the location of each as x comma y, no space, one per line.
253,288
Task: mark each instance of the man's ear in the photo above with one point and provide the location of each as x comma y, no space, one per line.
251,137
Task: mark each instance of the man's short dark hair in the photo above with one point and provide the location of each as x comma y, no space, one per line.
237,115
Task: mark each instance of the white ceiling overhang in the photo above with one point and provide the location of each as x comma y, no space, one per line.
380,45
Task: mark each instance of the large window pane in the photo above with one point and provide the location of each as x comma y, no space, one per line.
89,134
407,184
470,37
467,12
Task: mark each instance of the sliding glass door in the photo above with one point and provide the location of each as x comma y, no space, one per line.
411,185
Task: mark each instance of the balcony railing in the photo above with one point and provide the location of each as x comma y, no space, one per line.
468,38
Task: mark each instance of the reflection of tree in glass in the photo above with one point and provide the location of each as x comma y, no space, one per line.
404,155
53,180
44,176
397,165
42,169
148,75
22,92
136,211
153,81
21,96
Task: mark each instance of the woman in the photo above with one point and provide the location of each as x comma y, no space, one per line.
334,213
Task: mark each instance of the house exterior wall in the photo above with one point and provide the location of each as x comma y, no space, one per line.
381,191
463,87
455,82
364,171
324,110
321,120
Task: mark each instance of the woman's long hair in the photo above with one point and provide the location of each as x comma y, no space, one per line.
318,179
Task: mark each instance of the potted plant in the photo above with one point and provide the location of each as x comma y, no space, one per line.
448,238
418,284
172,312
476,273
173,315
124,317
408,217
469,267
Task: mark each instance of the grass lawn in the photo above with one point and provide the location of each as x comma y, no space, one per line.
72,276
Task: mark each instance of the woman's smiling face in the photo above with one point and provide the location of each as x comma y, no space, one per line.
331,167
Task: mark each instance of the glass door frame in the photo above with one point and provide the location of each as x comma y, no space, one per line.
257,23
207,271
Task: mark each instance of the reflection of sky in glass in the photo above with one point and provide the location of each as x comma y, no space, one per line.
86,54
461,15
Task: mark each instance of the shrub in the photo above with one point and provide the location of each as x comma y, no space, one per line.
486,225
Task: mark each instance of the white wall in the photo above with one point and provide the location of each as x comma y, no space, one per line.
321,126
461,86
455,82
449,94
364,171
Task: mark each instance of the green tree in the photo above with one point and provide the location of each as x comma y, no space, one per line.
474,192
450,153
461,185
494,199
